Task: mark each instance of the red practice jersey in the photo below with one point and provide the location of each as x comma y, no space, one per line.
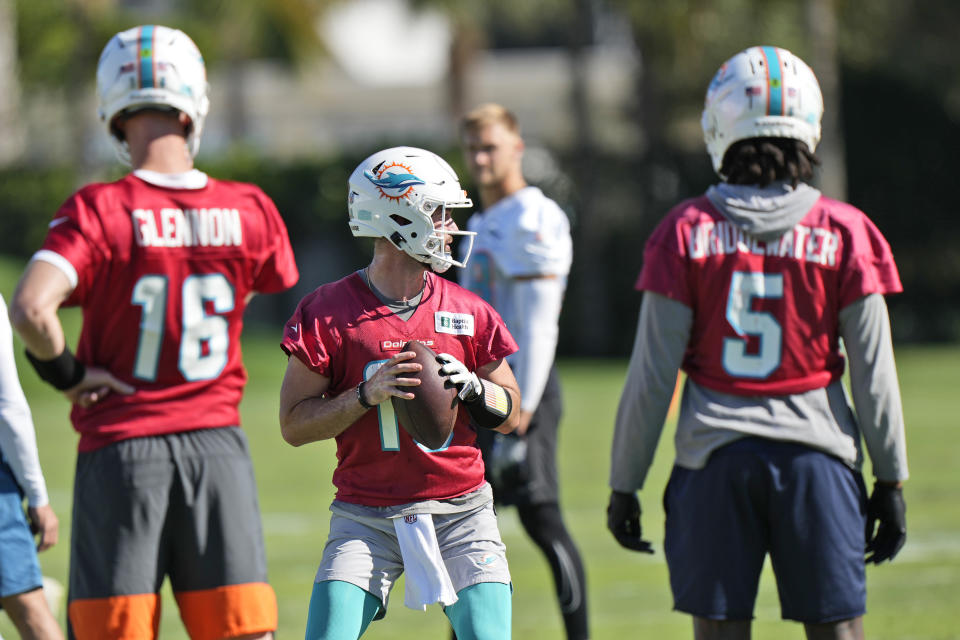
765,314
343,332
163,276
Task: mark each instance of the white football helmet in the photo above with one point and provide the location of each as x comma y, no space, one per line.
762,92
395,194
152,66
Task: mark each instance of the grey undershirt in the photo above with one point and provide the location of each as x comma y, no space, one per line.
403,308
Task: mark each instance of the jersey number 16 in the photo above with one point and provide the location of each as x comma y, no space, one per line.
204,337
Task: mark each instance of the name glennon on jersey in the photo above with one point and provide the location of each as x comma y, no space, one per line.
173,227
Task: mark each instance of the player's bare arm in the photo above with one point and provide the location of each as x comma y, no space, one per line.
33,313
33,310
308,414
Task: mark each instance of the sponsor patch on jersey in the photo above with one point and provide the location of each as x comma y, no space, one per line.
457,324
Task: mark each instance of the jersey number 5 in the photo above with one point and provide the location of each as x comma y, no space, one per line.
744,287
204,337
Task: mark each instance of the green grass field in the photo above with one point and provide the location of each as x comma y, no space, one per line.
915,597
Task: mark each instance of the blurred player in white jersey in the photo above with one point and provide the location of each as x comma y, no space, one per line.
21,584
750,288
521,259
163,263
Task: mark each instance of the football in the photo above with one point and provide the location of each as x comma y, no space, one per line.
430,415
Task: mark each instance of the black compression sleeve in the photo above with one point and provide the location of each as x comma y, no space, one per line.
491,408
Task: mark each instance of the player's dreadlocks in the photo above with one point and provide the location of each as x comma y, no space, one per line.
761,161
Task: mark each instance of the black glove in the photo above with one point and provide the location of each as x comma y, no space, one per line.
623,520
887,507
507,462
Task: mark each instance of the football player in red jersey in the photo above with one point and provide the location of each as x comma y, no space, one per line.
401,507
749,289
163,263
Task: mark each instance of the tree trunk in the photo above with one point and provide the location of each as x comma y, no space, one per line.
821,19
587,275
464,46
76,88
12,138
236,34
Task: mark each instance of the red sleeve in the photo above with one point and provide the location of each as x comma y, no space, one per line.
305,337
76,234
664,265
870,267
492,341
278,271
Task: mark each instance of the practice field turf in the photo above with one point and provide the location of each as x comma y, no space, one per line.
915,597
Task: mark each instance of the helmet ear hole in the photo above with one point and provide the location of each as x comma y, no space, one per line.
400,220
116,130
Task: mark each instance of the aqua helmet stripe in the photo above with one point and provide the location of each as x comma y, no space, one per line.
774,81
145,56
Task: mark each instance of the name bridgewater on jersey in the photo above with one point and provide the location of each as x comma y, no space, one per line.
810,244
172,227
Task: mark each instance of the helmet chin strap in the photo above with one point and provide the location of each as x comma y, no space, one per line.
439,265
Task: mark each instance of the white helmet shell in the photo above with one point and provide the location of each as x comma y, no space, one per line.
152,66
762,92
396,194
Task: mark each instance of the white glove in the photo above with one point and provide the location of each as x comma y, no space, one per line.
466,381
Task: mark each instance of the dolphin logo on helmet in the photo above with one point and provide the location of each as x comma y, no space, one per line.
393,185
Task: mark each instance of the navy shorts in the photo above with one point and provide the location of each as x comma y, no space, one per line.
19,568
757,496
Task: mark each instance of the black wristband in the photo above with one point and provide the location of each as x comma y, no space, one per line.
363,401
63,372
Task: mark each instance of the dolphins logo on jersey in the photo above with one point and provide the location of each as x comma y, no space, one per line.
394,180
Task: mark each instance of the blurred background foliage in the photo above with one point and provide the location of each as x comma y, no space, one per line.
889,71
